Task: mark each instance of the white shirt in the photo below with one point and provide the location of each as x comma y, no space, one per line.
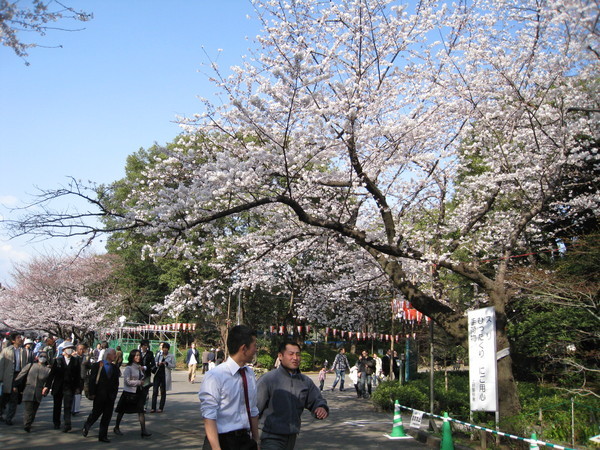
193,360
222,396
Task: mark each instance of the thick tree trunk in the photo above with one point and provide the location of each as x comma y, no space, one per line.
455,324
508,397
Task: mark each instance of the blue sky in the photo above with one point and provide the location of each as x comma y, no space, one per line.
112,88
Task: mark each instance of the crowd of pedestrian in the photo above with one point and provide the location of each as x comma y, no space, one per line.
231,399
32,369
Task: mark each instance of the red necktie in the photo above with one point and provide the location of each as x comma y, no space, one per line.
245,382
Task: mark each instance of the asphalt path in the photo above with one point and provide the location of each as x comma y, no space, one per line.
352,424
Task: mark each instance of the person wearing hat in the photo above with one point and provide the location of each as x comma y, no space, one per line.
64,380
31,381
63,345
28,344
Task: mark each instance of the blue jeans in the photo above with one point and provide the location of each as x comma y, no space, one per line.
340,376
364,385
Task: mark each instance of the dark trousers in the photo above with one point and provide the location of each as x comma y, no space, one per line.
159,384
62,398
29,412
271,441
102,407
204,367
11,400
234,440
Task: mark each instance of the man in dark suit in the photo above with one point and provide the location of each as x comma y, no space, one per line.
104,385
148,363
64,379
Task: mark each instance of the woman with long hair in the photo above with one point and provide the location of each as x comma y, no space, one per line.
134,395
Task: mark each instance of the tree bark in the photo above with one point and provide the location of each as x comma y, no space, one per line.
456,325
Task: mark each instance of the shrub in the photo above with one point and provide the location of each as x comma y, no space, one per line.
307,362
407,394
265,360
555,405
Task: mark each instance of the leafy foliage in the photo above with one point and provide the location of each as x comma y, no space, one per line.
407,395
264,359
555,318
393,143
307,363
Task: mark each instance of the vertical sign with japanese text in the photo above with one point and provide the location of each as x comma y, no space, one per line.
482,360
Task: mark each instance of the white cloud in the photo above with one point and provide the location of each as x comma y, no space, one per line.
9,255
8,200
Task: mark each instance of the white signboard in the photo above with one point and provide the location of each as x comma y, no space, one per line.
482,360
416,419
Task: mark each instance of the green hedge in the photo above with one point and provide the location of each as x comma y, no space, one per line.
265,360
408,395
554,404
306,364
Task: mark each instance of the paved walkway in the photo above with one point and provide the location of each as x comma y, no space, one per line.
352,424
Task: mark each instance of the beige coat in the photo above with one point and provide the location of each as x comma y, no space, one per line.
170,360
36,378
7,366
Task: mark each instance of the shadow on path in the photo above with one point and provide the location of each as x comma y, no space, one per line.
353,424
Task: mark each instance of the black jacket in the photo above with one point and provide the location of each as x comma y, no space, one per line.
107,387
149,362
366,365
63,376
385,365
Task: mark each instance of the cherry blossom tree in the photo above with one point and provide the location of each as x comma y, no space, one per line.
432,137
15,18
316,280
61,295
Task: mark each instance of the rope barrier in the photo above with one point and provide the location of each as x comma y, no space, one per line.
489,430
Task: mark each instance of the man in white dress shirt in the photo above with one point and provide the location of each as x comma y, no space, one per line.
228,396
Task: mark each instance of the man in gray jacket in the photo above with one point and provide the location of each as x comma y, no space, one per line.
283,394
